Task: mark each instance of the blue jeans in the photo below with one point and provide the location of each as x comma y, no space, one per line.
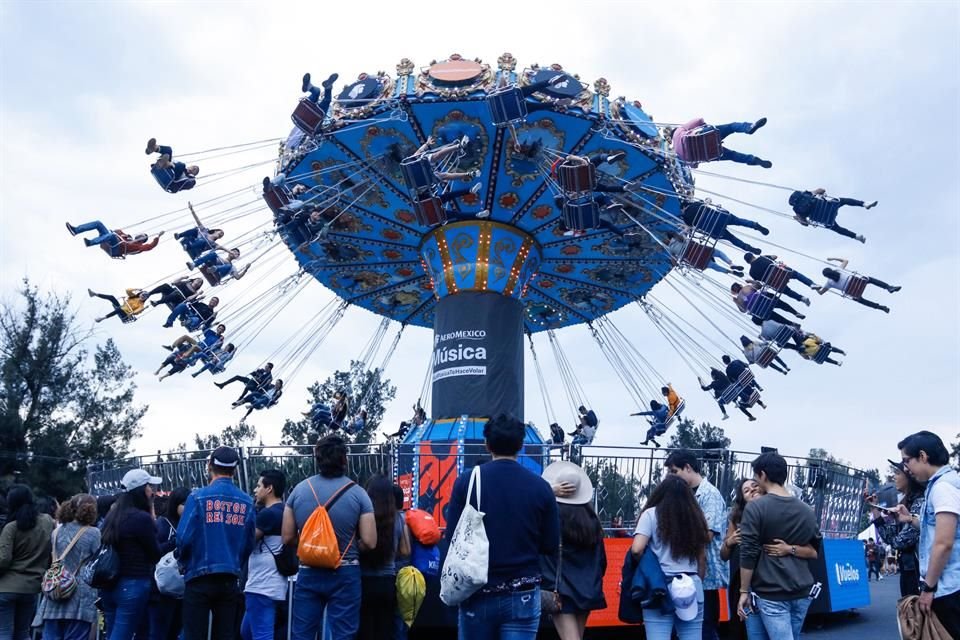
503,616
259,617
783,619
16,614
799,277
324,591
125,608
754,626
66,630
735,221
323,103
207,258
660,627
400,629
105,235
736,156
734,127
178,311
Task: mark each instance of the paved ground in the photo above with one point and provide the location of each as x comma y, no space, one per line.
876,622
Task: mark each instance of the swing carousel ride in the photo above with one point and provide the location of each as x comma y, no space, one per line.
492,205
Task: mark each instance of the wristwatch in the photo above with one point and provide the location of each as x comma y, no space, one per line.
926,588
793,550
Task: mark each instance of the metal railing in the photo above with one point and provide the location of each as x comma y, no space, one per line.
623,477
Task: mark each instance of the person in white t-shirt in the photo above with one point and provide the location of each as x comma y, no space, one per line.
839,279
265,584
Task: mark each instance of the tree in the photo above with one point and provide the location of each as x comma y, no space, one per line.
955,451
365,389
690,436
60,406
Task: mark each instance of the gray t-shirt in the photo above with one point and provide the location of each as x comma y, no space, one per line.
345,514
389,568
647,525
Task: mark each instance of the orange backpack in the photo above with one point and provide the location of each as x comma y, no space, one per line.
318,547
423,527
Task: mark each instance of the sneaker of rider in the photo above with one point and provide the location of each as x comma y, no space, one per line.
151,146
326,84
756,125
885,309
805,301
862,239
306,83
764,230
190,265
71,229
464,141
475,189
726,416
871,205
766,164
894,288
484,214
167,347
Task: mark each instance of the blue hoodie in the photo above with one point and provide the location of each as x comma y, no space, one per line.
216,531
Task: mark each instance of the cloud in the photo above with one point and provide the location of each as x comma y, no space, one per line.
861,99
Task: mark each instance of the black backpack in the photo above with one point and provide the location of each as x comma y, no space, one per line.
287,561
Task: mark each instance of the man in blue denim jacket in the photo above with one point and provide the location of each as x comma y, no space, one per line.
214,540
928,460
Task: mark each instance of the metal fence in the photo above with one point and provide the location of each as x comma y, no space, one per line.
623,476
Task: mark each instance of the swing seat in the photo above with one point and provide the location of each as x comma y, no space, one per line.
276,198
127,319
577,178
761,305
696,255
824,212
430,211
822,353
767,356
210,275
710,221
703,144
856,285
110,247
167,180
308,117
680,408
418,173
776,277
783,336
749,397
507,106
580,216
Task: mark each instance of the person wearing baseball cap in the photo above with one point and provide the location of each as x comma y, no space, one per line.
214,539
576,571
131,530
902,536
672,526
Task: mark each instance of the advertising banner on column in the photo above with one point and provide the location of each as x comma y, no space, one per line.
477,356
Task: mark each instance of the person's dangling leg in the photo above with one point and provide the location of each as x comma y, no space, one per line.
780,304
453,194
799,277
737,242
872,304
163,290
790,293
781,362
722,257
743,158
327,84
177,312
189,234
733,127
723,410
851,202
776,317
242,379
776,368
745,412
847,233
736,221
100,228
883,285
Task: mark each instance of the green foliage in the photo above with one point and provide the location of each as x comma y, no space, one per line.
365,389
60,405
955,452
689,436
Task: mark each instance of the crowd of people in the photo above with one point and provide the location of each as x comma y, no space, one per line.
215,553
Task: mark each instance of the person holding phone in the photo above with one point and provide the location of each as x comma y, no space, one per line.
902,536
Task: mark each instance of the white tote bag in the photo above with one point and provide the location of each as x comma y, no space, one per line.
465,569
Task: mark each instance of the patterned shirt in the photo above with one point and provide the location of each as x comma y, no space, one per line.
715,513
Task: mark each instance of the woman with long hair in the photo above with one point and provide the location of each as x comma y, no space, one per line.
131,530
166,612
903,537
72,618
377,565
24,556
576,572
674,528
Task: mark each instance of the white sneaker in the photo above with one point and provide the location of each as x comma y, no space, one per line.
464,141
862,239
475,189
484,214
726,417
805,301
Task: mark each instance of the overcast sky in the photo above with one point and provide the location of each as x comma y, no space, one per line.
862,99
